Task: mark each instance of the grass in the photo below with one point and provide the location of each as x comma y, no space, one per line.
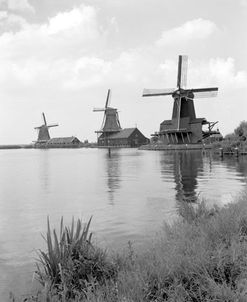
202,256
61,250
71,266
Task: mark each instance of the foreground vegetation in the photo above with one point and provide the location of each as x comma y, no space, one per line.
237,139
202,256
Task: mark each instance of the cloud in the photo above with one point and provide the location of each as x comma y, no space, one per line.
197,29
243,3
11,19
3,4
22,6
69,34
3,15
218,72
11,22
84,17
64,52
86,72
70,52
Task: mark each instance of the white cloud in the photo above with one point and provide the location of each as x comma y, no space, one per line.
20,6
3,4
243,3
70,21
218,72
191,30
11,22
65,53
3,15
87,72
66,35
69,53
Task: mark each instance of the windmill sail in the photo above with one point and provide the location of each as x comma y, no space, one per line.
205,92
107,103
182,71
158,92
44,118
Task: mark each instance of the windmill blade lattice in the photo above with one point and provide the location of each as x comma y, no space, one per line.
98,109
157,92
182,71
204,92
107,103
44,118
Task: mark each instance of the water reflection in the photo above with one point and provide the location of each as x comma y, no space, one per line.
186,166
113,173
44,169
239,164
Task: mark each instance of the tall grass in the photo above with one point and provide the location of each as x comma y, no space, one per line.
71,265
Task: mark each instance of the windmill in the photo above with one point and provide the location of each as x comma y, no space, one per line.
110,122
184,127
43,131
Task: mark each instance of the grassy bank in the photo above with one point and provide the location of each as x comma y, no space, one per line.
202,256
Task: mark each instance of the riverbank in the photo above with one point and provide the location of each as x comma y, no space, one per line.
177,147
21,146
32,146
200,257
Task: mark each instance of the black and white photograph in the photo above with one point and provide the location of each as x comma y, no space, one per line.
123,150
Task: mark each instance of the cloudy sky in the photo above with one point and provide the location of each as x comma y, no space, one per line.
60,57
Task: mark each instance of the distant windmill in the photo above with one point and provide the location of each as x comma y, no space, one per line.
43,131
110,122
184,126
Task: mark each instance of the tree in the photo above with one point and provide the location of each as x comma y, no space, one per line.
241,131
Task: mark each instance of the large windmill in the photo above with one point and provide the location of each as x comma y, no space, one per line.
110,124
43,131
184,127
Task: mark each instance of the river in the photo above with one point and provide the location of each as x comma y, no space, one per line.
129,194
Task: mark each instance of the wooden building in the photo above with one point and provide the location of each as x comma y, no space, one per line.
63,142
128,137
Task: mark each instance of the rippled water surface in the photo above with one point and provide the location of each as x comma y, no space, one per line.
129,195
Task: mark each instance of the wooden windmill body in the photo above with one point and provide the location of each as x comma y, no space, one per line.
184,127
43,132
110,124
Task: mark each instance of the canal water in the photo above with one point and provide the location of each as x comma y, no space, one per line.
129,194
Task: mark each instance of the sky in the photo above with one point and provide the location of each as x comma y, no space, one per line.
60,57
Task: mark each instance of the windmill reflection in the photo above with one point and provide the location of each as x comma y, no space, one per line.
113,168
44,166
186,166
